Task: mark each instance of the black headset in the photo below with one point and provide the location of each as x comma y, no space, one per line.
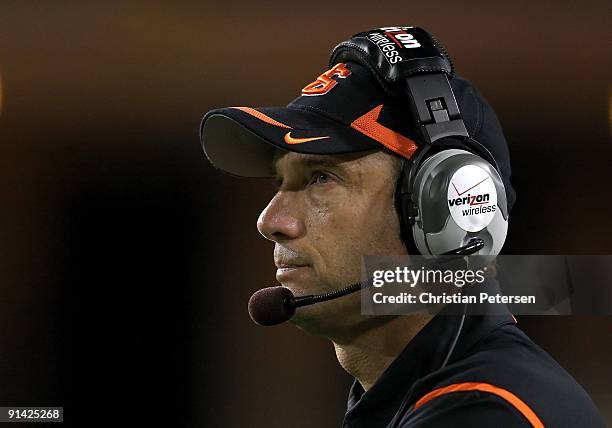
436,217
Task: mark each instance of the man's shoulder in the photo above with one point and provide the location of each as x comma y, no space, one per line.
465,408
506,378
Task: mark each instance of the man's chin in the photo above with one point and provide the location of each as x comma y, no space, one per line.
309,319
329,317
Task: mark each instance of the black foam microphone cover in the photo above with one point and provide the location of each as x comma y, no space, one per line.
272,305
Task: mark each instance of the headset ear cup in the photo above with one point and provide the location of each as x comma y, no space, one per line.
428,228
456,196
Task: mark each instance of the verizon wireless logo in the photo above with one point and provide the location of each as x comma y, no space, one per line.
391,39
472,198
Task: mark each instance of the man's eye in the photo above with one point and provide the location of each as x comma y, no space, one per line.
320,178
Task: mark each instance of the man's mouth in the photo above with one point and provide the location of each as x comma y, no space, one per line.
288,271
290,265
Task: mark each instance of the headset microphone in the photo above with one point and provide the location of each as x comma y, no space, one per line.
275,305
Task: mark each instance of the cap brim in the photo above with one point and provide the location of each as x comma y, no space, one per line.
242,140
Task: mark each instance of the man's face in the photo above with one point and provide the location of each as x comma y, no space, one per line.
328,212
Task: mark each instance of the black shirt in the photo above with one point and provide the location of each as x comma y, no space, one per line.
495,376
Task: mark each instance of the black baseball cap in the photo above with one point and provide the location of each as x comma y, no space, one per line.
345,110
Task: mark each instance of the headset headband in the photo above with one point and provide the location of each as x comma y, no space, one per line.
408,61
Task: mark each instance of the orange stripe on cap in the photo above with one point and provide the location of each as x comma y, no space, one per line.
264,118
518,404
368,125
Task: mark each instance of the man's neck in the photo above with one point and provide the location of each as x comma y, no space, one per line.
367,354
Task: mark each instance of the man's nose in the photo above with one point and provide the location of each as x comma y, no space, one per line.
279,221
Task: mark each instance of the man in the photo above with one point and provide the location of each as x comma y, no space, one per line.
336,153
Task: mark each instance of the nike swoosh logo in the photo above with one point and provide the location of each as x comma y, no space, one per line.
291,140
459,194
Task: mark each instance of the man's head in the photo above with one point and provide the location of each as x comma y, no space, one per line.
328,212
330,152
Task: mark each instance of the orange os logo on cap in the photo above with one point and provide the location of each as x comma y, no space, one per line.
324,82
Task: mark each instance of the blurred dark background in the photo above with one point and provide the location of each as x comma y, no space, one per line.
126,261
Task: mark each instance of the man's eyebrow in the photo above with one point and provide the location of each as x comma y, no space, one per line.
320,161
310,162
